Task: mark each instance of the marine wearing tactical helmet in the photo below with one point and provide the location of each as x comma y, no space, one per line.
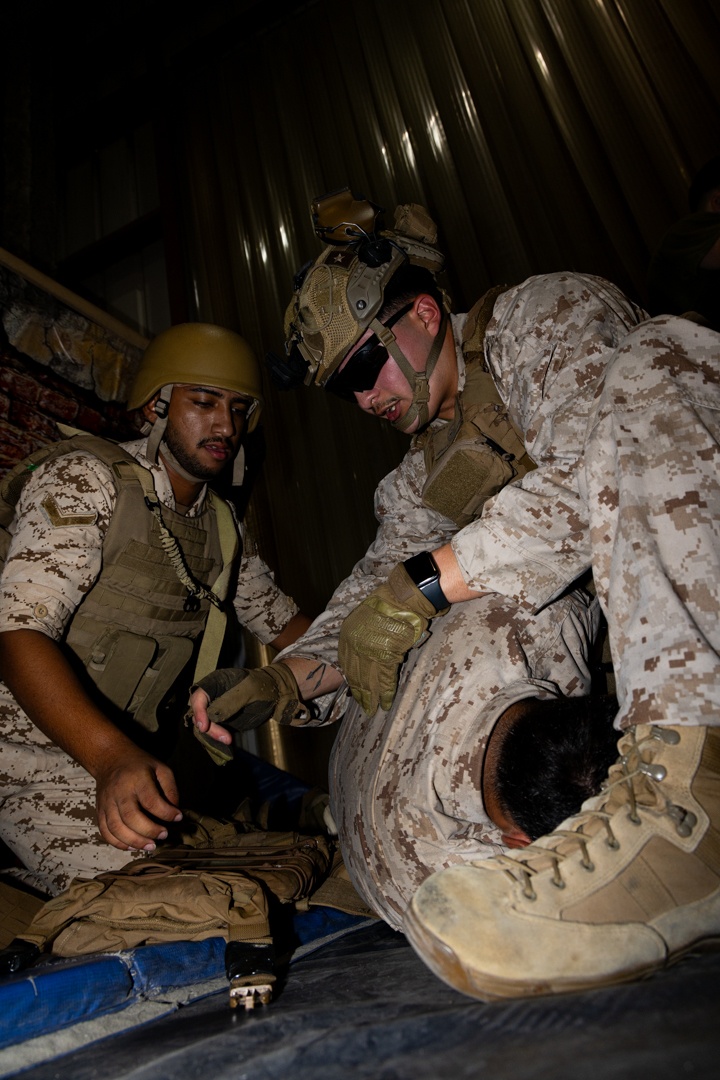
338,298
196,353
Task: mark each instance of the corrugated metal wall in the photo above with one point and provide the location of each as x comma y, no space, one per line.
541,134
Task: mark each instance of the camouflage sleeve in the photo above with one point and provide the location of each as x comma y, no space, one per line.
56,549
547,345
260,605
405,527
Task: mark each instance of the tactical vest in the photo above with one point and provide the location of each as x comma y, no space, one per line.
135,629
469,459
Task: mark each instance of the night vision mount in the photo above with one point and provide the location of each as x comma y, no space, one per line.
339,294
342,217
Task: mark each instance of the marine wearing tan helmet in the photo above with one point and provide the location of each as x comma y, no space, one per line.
339,296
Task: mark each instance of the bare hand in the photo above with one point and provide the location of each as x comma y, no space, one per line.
131,793
199,702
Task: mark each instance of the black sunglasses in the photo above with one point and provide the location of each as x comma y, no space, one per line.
362,369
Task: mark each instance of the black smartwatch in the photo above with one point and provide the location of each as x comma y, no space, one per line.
424,573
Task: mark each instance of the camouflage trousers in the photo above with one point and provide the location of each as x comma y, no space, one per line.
405,785
652,479
47,810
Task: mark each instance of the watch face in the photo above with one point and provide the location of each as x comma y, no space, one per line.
423,572
428,581
422,569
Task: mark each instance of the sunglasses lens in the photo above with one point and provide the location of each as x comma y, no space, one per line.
360,372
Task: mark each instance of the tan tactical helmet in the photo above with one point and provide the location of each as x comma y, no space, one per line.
199,353
341,292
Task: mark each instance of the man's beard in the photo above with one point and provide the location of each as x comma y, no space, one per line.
189,461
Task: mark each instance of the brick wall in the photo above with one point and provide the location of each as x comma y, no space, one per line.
33,400
61,361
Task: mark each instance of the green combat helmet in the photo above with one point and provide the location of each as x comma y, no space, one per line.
338,296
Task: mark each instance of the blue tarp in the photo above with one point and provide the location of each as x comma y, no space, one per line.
55,995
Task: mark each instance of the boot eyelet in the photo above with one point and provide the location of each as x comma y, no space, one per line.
654,771
558,884
589,866
684,820
667,735
635,818
614,845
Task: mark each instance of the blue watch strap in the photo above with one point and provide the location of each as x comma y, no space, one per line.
423,572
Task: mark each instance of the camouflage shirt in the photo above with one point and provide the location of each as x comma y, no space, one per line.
51,567
546,347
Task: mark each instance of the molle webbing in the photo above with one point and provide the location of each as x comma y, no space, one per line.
138,578
476,323
480,451
135,630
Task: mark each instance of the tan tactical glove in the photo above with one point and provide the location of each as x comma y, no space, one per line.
377,634
244,700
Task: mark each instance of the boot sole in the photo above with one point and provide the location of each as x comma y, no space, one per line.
444,963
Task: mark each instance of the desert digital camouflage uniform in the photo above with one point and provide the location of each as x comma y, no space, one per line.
405,784
47,801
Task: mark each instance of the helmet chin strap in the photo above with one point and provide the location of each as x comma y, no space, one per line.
177,467
156,441
158,429
238,467
419,381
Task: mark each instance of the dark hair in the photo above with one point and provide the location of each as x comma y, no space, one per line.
705,180
405,284
555,755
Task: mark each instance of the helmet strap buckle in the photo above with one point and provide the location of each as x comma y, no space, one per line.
158,429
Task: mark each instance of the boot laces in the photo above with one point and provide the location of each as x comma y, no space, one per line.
631,780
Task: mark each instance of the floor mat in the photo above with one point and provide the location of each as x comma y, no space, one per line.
365,1005
56,1007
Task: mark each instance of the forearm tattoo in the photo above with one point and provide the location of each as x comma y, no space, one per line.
314,678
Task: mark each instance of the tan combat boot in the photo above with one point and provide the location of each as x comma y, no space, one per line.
622,888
